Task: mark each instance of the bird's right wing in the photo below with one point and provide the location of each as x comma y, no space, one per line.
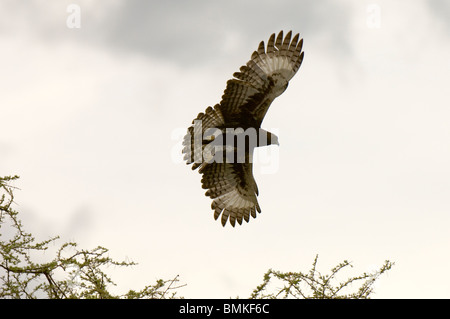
263,78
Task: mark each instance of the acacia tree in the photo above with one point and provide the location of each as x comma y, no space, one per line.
73,272
314,285
80,273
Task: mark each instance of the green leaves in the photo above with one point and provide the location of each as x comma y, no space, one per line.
314,285
72,273
81,273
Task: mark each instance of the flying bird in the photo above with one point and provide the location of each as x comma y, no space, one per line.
221,141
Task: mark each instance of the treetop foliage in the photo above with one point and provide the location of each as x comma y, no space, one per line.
314,285
81,274
73,273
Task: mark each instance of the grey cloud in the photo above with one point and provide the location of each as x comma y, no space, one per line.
441,10
188,33
193,31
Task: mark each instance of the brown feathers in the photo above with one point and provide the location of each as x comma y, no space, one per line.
246,99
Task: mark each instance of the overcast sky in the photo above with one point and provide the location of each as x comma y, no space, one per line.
91,119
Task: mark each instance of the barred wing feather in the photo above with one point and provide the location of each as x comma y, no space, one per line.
246,99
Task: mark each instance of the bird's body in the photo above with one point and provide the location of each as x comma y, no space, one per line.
222,139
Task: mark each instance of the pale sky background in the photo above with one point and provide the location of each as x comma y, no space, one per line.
91,118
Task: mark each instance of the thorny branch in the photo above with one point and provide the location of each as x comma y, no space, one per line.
319,286
20,277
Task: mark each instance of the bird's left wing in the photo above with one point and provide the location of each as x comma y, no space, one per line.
233,190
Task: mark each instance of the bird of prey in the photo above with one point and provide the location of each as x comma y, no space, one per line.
222,139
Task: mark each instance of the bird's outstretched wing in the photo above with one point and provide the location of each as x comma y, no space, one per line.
249,94
231,185
233,189
244,104
193,143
